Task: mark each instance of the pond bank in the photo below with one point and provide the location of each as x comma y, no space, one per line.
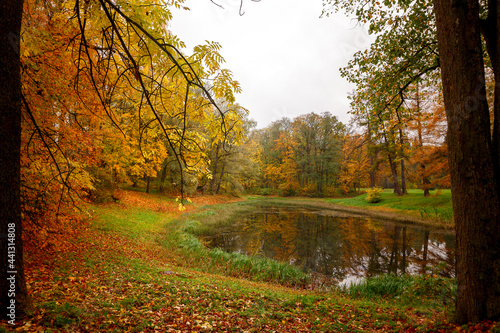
334,247
375,212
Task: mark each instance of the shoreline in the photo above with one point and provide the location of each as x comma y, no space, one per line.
394,216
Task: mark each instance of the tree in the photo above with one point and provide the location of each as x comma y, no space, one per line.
473,141
318,145
473,150
429,153
355,168
227,161
277,155
302,154
13,292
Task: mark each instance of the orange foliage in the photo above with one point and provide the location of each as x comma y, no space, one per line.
161,204
431,152
355,168
57,136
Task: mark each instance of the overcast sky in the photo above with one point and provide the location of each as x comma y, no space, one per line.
285,57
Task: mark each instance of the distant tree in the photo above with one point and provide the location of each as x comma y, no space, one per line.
429,154
227,162
318,149
302,154
355,168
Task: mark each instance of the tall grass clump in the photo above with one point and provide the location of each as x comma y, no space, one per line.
258,268
380,286
408,289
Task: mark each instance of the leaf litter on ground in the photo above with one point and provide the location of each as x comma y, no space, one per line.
104,281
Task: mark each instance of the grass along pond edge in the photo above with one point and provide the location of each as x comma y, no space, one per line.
373,211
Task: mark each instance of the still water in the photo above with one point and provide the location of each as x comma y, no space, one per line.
339,246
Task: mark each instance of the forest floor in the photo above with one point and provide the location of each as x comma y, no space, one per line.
114,273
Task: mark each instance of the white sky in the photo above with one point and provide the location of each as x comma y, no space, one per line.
285,57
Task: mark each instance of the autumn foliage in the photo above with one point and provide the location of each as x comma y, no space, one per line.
111,100
99,110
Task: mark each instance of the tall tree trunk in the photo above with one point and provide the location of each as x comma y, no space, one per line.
220,179
394,171
403,176
148,182
213,182
473,157
490,27
372,172
13,292
425,179
163,175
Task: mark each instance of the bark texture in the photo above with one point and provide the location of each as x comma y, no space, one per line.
473,160
12,282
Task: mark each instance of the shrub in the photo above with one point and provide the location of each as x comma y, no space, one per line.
309,190
288,190
374,195
331,191
265,191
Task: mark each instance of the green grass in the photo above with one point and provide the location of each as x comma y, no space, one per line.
182,237
141,271
132,222
438,206
410,290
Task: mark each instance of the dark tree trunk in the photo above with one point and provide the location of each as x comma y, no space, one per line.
148,183
490,27
473,156
425,179
403,178
394,171
372,172
213,182
162,178
220,179
13,292
403,175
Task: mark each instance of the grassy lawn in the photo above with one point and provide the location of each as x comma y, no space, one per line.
437,206
135,266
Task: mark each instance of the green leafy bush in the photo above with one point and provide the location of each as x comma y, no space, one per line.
265,191
374,195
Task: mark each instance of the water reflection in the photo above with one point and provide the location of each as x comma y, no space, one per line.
340,247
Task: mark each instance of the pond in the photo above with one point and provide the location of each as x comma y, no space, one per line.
337,246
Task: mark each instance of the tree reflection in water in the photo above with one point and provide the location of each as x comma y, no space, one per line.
337,246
